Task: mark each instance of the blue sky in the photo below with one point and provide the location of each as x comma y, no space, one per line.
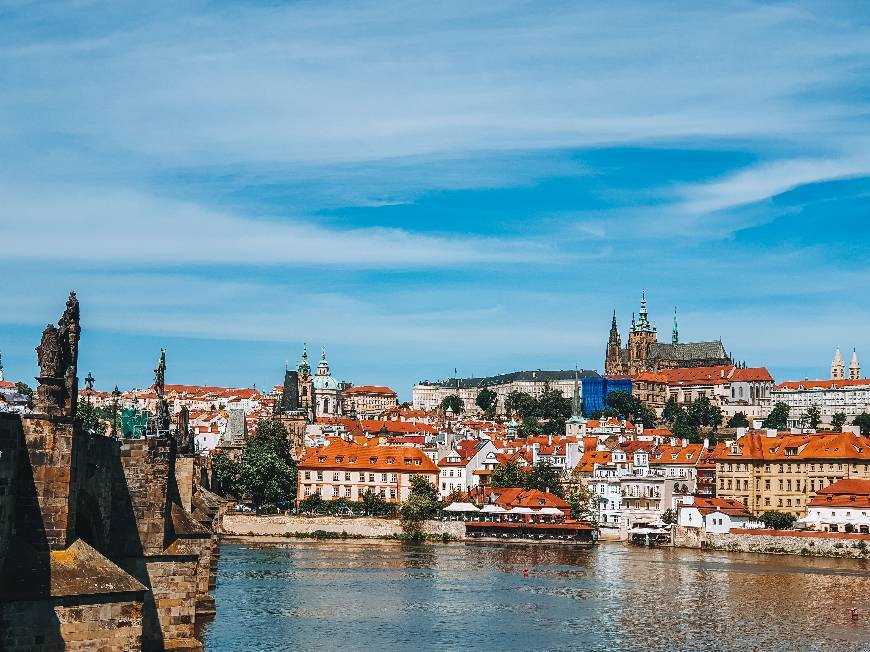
423,186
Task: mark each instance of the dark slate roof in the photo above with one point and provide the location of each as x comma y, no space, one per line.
713,350
504,379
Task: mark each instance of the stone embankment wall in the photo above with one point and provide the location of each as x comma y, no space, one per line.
283,526
777,542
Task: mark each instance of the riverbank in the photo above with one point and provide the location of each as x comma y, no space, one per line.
249,525
779,542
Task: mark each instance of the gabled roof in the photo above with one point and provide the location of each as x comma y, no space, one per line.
787,447
724,505
844,493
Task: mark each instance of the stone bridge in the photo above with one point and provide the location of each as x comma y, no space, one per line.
105,544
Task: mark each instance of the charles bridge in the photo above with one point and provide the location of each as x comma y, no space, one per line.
106,543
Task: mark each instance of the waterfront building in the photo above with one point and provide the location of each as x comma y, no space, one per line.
457,468
349,470
428,395
714,515
778,471
368,401
841,507
643,352
677,461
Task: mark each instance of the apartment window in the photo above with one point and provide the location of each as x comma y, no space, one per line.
371,477
321,459
767,485
391,460
383,492
779,502
320,475
339,459
383,477
780,485
788,503
347,492
347,475
308,475
335,476
393,477
746,485
392,494
362,476
373,460
788,485
767,502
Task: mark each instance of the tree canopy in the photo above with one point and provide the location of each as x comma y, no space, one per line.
778,417
487,400
863,422
688,423
508,475
90,419
583,503
629,406
543,476
838,420
777,520
454,403
545,415
739,420
266,471
813,416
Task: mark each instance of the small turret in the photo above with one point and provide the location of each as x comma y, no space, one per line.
854,367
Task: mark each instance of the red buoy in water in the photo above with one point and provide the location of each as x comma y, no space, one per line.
525,572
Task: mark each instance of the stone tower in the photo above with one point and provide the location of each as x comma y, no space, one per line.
613,365
838,367
641,337
306,384
854,367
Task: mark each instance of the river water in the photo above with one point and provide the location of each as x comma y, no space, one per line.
376,595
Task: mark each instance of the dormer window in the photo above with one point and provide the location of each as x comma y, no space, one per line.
391,460
373,460
339,459
735,449
321,459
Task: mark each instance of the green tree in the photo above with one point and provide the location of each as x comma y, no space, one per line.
553,410
703,414
813,416
454,403
487,400
267,471
24,389
508,475
669,517
422,501
516,402
374,505
672,410
89,419
225,474
739,420
777,520
685,427
838,420
778,417
631,407
312,504
544,477
863,422
583,502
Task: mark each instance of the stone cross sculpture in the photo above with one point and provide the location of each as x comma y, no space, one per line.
58,353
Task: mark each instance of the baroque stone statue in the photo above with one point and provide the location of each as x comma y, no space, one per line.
58,353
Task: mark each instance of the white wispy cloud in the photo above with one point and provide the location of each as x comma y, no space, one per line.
108,226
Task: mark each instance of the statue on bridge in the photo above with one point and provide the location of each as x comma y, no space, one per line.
58,353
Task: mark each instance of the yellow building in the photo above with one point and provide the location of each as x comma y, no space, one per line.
783,472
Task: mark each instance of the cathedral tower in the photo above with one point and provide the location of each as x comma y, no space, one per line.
306,384
854,367
640,339
613,364
838,367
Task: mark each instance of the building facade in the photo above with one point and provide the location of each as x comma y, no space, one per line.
769,471
349,471
428,395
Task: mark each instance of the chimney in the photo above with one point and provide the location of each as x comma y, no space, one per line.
771,432
550,440
706,443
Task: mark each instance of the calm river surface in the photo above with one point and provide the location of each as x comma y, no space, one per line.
373,595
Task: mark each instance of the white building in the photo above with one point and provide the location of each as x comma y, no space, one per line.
849,396
714,515
843,506
428,395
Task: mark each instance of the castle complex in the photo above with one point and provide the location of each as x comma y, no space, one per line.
644,352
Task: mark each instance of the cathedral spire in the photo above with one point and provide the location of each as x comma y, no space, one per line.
304,368
838,367
613,364
854,367
643,317
675,334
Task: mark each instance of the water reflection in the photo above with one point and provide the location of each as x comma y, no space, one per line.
392,596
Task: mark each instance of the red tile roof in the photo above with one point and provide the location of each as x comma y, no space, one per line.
343,455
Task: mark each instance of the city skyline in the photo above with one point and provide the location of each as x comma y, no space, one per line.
421,189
